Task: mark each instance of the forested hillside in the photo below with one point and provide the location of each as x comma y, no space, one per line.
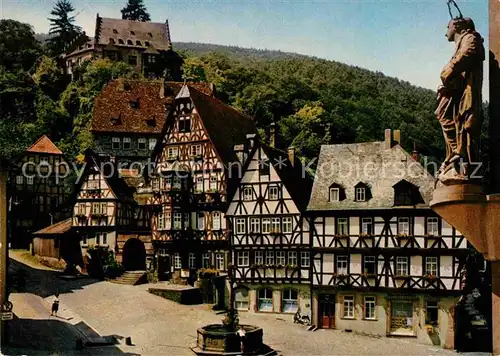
312,100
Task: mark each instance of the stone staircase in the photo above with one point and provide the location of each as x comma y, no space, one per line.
131,278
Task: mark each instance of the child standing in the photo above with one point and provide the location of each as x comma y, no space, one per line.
55,305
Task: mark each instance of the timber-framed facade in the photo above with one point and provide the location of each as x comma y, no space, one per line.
383,262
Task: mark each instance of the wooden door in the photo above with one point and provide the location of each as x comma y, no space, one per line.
326,309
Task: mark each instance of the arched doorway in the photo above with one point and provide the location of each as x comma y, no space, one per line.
134,255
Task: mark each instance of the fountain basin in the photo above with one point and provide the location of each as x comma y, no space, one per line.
215,339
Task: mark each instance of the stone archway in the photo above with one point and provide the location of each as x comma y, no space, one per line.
134,255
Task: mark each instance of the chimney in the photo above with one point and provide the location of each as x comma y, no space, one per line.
272,135
397,137
291,155
414,153
388,139
250,141
239,150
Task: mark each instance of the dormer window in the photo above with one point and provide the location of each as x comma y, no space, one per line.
112,41
146,43
406,193
129,42
336,193
120,41
116,121
115,31
132,33
151,122
134,104
138,43
150,34
361,192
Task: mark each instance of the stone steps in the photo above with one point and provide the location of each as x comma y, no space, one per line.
131,278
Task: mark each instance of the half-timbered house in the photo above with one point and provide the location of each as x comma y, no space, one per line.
270,242
108,214
37,191
383,262
128,116
194,177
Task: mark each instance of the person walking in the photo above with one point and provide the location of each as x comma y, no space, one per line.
55,305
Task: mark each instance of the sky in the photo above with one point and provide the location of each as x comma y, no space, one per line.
401,38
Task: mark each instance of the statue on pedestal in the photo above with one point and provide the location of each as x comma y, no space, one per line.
459,102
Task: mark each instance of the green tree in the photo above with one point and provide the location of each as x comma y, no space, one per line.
135,10
194,70
18,47
62,27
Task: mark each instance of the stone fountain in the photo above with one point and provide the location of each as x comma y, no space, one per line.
230,337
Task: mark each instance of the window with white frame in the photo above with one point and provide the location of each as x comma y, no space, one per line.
243,258
177,225
19,179
116,142
404,226
367,226
304,258
199,184
360,194
216,220
240,226
259,257
273,193
255,225
348,306
177,261
280,258
172,152
334,194
266,225
219,261
369,265
342,226
126,143
431,265
370,307
402,266
205,260
29,180
275,225
287,225
152,143
96,208
192,261
241,299
213,183
270,258
81,209
265,301
433,226
342,264
104,209
195,150
292,258
176,182
201,221
141,143
247,193
289,301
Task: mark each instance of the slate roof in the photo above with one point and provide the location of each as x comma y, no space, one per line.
155,33
58,228
44,145
372,164
112,111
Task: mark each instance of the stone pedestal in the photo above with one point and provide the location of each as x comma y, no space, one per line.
477,216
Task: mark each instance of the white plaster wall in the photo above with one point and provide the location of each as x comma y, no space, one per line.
419,228
355,266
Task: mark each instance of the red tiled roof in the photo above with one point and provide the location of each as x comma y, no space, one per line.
44,145
113,107
58,228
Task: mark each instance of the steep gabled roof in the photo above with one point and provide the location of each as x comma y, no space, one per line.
225,125
296,179
156,33
113,112
371,163
44,145
58,228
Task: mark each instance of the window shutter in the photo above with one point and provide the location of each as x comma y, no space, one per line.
342,313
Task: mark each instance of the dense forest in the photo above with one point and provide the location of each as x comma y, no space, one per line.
313,101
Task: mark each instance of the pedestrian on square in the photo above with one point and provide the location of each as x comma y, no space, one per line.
55,305
241,333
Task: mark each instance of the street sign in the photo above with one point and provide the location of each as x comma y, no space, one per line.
7,316
7,306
